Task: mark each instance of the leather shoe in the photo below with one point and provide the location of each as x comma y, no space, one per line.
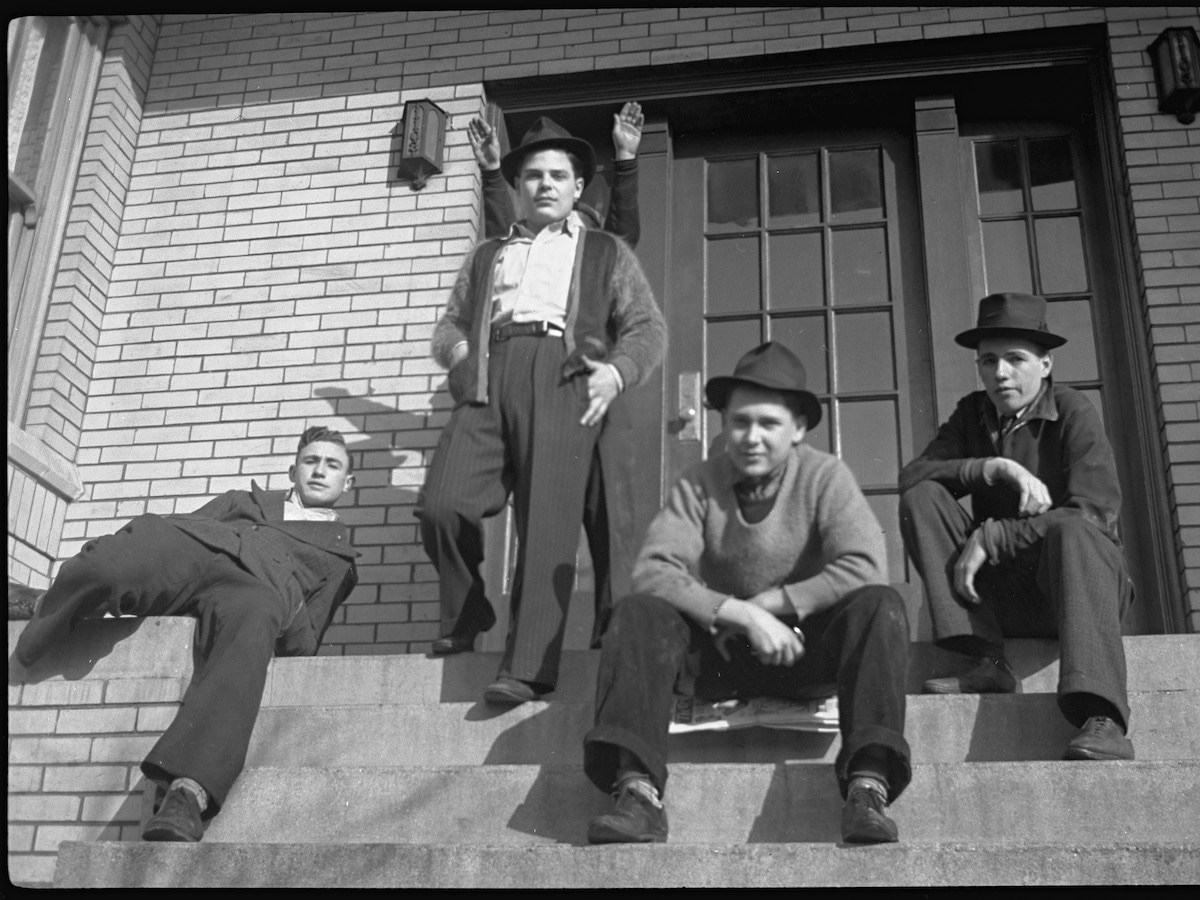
452,643
510,690
177,819
988,676
1099,738
863,819
636,820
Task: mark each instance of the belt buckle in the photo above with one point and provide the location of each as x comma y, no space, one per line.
542,328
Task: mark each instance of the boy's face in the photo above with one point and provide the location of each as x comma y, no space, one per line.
1012,370
321,473
760,430
548,187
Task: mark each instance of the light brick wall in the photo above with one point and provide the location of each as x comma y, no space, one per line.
78,729
62,381
270,271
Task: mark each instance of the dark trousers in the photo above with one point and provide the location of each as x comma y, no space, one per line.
1072,586
651,651
527,439
151,568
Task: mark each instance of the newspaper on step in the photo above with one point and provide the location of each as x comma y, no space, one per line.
691,714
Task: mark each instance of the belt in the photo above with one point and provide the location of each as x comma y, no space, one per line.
523,329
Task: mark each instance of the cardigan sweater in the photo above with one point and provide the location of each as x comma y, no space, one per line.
611,314
819,542
1060,439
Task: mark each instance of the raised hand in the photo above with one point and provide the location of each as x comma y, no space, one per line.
484,144
627,130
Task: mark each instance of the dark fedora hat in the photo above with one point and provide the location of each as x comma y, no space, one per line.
772,366
1011,315
546,134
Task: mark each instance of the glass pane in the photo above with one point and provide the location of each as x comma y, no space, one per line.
1076,359
805,336
855,185
1093,394
819,437
724,344
797,270
887,510
870,440
733,194
793,190
1006,257
1060,255
859,267
1052,174
865,361
998,170
733,283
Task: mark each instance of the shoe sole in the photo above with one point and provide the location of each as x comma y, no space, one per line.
166,835
603,835
940,689
505,698
449,651
1079,755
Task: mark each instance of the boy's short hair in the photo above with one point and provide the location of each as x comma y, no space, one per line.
321,433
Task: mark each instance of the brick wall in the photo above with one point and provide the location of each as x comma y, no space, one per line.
79,725
62,384
271,270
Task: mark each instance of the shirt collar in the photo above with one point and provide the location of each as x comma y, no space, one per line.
312,513
571,226
1042,407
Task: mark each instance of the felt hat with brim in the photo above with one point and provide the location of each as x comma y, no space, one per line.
546,134
774,367
1011,315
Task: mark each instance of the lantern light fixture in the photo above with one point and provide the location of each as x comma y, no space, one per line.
1175,55
422,141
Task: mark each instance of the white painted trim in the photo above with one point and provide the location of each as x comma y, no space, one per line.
46,466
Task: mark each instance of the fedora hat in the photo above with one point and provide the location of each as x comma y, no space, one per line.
772,366
1011,315
546,134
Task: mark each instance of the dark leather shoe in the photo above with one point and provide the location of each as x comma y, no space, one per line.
636,820
178,819
863,819
1099,738
452,643
987,676
510,690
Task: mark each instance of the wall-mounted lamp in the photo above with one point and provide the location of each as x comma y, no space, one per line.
1175,55
422,141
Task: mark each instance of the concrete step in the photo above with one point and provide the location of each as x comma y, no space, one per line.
162,646
908,864
946,729
1038,802
1155,663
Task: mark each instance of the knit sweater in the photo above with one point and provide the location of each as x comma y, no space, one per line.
819,542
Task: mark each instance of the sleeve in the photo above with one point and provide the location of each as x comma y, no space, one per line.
623,218
669,563
641,331
218,507
852,544
1092,488
455,324
498,210
948,459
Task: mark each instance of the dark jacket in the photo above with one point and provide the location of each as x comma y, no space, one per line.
1060,440
310,564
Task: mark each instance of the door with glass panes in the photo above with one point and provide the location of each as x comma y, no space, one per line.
811,240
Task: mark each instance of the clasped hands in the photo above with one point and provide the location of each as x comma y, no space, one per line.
1034,500
773,642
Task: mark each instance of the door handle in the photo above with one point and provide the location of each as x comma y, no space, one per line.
689,406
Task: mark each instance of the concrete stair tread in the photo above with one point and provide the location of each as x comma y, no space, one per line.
1043,802
967,728
673,864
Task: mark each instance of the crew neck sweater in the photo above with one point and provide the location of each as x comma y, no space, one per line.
819,541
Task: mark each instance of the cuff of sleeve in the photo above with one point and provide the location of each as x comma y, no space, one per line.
625,165
493,175
626,370
617,375
971,473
